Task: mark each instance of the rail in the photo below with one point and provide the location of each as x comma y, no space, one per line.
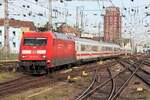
90,86
142,74
99,86
133,68
125,83
113,86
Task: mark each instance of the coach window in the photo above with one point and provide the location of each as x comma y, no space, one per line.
94,48
106,49
109,48
87,48
82,47
103,48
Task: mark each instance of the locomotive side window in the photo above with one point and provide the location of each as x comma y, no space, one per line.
35,41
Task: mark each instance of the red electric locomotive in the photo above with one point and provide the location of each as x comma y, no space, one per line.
40,51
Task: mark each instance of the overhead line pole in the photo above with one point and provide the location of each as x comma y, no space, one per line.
77,17
6,47
99,30
50,15
82,23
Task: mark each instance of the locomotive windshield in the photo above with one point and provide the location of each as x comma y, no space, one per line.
35,41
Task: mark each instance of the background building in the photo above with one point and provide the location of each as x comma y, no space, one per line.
112,24
143,48
16,28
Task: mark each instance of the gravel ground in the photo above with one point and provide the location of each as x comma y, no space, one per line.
136,90
7,76
63,90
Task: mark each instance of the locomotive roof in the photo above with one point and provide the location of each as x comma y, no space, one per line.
72,38
53,34
62,36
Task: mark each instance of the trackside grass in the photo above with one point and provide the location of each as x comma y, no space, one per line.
4,56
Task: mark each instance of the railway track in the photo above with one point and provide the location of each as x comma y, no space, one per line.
141,73
22,84
147,63
30,82
103,78
111,86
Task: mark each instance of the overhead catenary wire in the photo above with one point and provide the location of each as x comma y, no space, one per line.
134,12
128,13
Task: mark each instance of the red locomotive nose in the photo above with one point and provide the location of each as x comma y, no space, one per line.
33,47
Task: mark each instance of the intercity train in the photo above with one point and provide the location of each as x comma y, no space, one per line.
41,51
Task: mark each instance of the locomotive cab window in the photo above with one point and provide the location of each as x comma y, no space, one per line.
35,41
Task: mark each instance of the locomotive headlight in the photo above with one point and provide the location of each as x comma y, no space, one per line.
44,56
26,51
23,56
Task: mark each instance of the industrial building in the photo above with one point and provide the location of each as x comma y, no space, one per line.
112,24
